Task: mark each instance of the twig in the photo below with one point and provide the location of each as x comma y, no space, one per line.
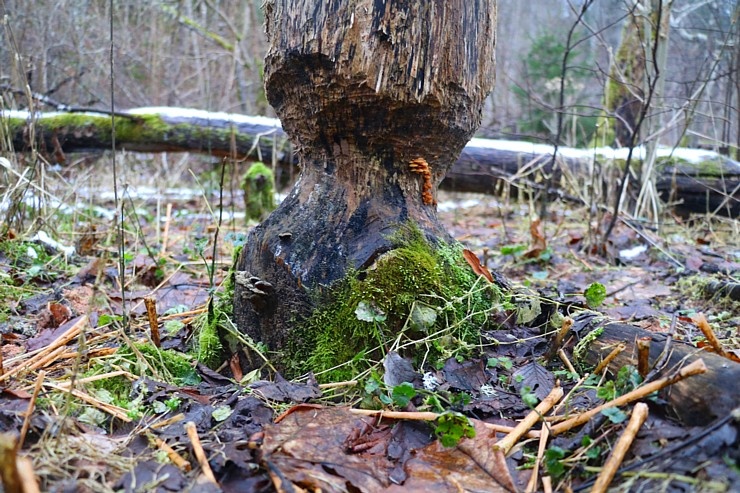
506,443
643,356
566,361
544,435
151,311
665,354
701,321
166,422
199,452
42,357
639,415
102,376
172,454
115,411
29,483
694,368
429,416
166,232
29,411
609,357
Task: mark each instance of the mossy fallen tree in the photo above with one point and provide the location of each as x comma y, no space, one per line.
696,180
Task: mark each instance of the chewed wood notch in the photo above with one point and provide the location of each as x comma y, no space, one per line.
420,166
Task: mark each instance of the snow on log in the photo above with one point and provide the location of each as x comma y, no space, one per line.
700,180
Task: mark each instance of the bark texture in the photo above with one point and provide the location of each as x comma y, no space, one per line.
362,89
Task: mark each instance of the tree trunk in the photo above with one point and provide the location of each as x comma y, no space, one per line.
362,89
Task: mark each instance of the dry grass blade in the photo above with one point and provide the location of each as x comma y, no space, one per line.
115,411
31,406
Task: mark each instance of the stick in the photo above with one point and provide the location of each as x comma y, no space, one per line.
151,312
115,411
643,356
605,362
639,415
524,425
199,452
172,454
694,368
566,361
29,411
166,232
429,416
29,483
544,435
701,321
42,357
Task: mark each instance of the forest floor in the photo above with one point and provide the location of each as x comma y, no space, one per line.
122,427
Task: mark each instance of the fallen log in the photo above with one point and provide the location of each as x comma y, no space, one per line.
697,400
696,180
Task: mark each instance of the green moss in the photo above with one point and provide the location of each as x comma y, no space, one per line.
143,360
209,350
338,340
258,185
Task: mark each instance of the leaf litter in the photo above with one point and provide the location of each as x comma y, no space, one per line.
85,440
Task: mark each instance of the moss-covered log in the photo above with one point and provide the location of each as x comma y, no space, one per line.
702,182
145,130
363,88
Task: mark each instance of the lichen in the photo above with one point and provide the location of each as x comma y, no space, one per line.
364,313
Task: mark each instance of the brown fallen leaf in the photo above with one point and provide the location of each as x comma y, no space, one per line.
474,263
539,243
313,449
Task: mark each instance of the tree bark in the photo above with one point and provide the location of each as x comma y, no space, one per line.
710,182
362,89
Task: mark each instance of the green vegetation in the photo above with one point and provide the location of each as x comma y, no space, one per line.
142,360
540,97
259,191
425,297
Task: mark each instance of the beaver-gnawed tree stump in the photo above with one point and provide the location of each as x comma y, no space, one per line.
379,98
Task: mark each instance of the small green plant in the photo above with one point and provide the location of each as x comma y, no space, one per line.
595,295
259,191
402,394
451,427
554,461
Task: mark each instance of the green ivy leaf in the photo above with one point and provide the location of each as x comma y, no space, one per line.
614,414
553,462
221,413
402,394
451,427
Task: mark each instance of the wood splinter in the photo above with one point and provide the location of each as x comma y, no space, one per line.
643,356
639,415
151,312
609,357
199,452
506,443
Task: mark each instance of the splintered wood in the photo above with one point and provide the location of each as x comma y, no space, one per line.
420,166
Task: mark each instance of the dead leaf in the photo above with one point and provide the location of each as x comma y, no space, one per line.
474,263
539,243
309,448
